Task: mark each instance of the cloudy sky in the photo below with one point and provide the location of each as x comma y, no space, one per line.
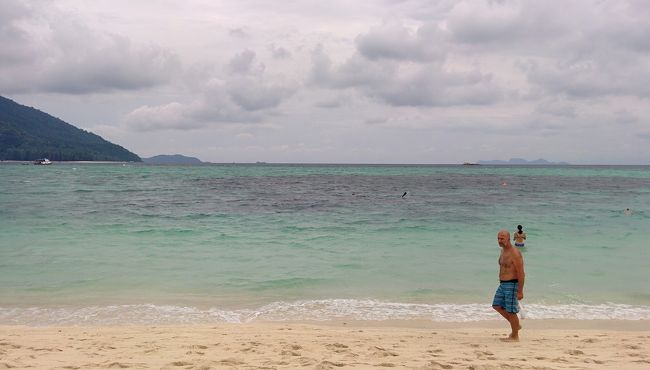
340,81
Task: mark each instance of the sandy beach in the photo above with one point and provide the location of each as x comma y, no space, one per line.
545,344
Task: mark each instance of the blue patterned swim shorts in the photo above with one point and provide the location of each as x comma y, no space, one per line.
506,296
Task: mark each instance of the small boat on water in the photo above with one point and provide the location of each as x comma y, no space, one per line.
42,161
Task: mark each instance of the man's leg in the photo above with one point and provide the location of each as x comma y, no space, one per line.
513,319
501,311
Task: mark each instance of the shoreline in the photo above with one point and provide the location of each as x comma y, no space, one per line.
546,344
536,324
361,312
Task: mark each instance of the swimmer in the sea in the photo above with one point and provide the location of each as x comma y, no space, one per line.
519,237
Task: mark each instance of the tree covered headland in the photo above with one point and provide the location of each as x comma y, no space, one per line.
27,133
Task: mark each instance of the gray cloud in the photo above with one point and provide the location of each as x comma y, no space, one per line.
14,40
242,63
405,85
431,87
53,53
509,24
239,32
355,72
555,107
337,101
253,94
250,88
623,117
395,41
279,52
601,52
587,78
115,65
243,95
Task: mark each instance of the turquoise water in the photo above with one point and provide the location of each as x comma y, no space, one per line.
114,243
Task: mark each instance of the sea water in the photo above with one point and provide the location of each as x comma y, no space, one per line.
138,244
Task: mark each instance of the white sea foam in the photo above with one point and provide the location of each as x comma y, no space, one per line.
313,310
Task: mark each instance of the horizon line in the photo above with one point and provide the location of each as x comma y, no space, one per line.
467,164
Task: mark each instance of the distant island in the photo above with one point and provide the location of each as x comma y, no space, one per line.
27,133
520,161
172,159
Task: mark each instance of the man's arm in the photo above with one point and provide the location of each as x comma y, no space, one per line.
521,274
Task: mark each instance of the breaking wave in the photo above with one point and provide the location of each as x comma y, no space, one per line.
308,310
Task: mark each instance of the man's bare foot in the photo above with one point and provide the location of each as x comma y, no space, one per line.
510,339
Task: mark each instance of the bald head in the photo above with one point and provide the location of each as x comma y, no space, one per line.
503,237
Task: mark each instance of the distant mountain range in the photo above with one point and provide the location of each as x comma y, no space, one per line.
515,161
171,159
27,134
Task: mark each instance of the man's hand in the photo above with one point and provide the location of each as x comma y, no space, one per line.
520,295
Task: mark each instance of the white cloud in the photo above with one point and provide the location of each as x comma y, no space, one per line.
205,112
240,96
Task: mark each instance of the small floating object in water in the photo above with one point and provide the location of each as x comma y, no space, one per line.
42,161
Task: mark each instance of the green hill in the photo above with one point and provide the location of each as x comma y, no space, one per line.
27,133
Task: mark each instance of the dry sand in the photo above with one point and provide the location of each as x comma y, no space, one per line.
545,344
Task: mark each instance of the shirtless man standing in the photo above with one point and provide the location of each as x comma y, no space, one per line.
511,288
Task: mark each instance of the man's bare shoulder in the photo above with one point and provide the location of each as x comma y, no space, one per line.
515,252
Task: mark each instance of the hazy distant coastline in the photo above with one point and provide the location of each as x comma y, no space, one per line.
172,159
521,161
